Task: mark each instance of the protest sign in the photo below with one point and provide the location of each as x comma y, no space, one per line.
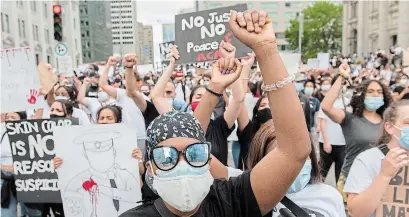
47,77
99,177
313,63
65,66
323,59
199,34
165,50
32,147
395,201
20,85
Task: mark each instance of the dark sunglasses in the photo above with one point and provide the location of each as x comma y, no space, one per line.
167,157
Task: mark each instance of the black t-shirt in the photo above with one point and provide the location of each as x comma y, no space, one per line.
92,91
399,90
233,198
244,138
217,134
150,113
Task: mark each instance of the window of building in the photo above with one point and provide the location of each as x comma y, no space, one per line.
37,59
272,14
268,5
76,44
290,15
88,44
2,23
353,9
86,11
34,6
293,4
87,33
48,59
86,23
280,35
275,24
394,40
83,35
75,25
45,10
374,5
81,11
36,32
23,28
6,23
47,36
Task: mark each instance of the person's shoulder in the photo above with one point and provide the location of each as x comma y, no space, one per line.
371,153
325,189
145,210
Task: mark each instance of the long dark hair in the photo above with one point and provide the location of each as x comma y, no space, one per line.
72,94
390,115
67,106
255,109
357,101
265,138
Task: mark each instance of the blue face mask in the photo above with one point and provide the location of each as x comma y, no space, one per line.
404,137
302,179
299,87
325,87
308,91
205,83
373,103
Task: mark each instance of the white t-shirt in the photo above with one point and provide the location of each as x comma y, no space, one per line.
93,106
365,168
76,113
131,114
334,130
318,200
250,102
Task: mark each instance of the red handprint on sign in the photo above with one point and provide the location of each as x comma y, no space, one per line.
32,98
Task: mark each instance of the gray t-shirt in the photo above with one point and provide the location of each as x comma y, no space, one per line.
360,134
365,168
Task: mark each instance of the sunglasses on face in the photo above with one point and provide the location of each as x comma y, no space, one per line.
167,157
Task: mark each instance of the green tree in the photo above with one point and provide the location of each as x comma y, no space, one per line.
322,30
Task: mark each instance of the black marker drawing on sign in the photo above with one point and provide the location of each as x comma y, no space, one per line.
199,34
32,147
104,185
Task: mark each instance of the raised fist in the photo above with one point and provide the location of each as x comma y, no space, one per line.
226,71
227,50
174,54
130,60
252,27
112,61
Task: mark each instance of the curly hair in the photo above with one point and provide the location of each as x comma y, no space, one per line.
357,101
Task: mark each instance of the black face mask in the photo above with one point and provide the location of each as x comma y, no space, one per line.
56,116
146,93
263,115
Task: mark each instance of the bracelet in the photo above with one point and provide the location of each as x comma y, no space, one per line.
279,84
214,93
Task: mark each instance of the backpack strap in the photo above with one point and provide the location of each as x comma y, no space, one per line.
294,208
384,149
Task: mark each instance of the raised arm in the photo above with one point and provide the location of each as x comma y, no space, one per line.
103,80
273,175
243,118
335,114
132,91
157,93
81,98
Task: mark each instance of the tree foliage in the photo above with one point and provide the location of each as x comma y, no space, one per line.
322,30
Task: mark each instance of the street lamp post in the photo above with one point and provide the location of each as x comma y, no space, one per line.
300,33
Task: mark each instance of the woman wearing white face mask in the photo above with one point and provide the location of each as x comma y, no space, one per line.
91,103
402,91
379,175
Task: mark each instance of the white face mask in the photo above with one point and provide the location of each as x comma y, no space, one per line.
169,101
403,82
103,96
183,192
61,98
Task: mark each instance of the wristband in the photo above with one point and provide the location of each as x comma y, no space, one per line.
214,93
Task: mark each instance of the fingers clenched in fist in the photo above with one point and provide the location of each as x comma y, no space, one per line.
174,53
227,50
226,71
394,160
252,27
130,60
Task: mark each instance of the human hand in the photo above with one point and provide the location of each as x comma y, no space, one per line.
57,162
227,50
406,90
112,61
394,160
344,70
253,28
137,154
130,60
327,148
225,72
87,80
174,54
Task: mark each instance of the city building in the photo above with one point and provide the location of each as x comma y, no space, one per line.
281,12
372,25
30,23
96,30
124,27
145,44
168,32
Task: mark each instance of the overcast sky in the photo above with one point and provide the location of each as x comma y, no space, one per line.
156,12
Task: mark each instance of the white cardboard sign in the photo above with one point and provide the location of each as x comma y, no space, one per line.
65,66
20,85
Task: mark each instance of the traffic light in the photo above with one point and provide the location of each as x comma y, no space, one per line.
57,22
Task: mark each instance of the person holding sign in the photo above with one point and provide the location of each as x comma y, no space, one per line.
378,181
8,187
